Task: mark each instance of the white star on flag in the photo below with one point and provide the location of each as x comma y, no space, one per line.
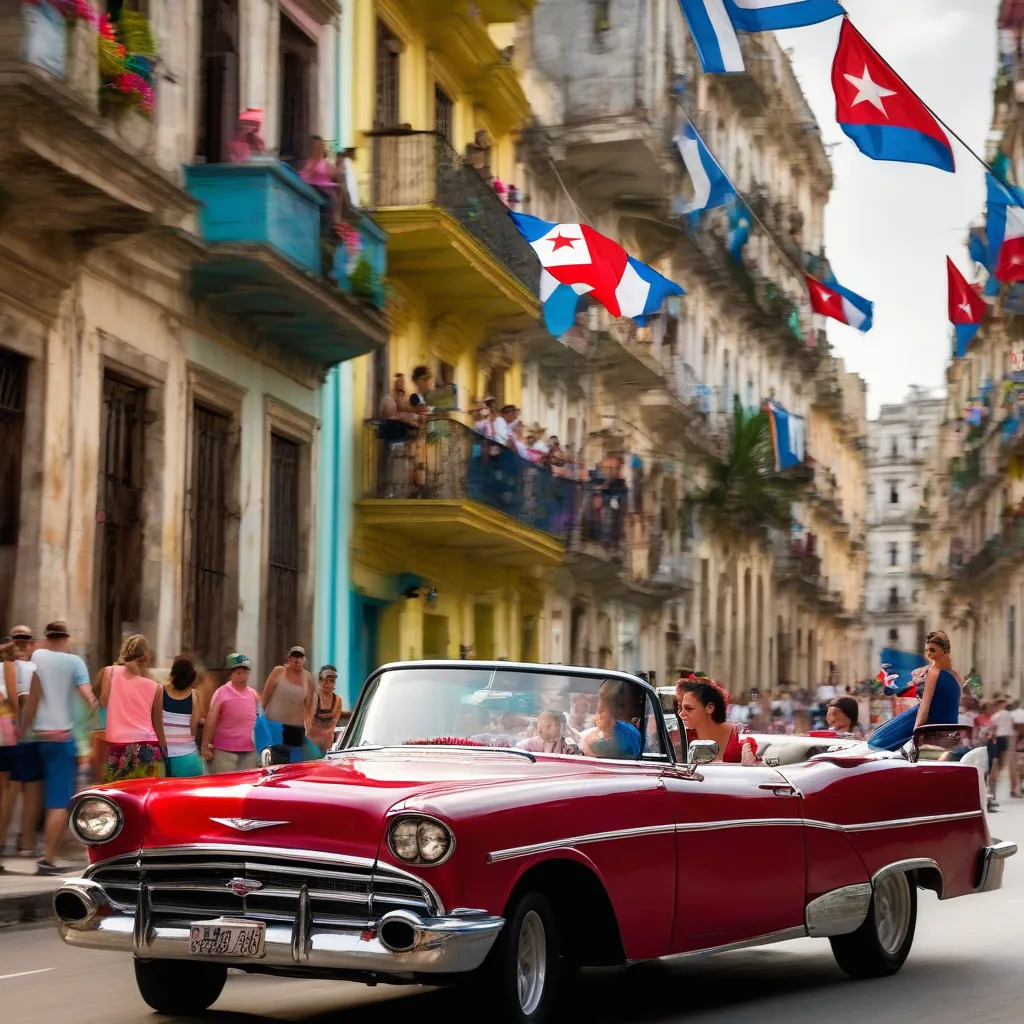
826,296
868,91
966,307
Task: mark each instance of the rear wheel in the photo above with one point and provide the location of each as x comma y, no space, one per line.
178,987
881,945
525,964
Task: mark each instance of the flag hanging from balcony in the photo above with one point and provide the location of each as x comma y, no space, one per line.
829,298
1005,230
885,118
787,430
576,260
714,24
966,308
711,187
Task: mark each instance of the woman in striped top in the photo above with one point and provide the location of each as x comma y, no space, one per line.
181,719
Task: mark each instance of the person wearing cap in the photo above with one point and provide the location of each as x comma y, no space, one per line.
288,696
842,715
60,675
503,423
228,744
27,770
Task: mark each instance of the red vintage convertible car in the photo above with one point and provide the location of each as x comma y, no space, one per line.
431,847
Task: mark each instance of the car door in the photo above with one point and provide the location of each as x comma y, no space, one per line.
740,854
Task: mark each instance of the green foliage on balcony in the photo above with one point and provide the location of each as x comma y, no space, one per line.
746,492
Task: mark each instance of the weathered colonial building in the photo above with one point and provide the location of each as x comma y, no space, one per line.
902,451
168,307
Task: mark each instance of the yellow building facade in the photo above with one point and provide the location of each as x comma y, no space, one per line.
436,572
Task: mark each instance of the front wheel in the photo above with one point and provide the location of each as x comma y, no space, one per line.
525,964
178,987
881,945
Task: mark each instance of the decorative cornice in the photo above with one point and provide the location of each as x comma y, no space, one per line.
396,18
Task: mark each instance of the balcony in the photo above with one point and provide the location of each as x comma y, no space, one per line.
448,487
797,563
998,551
623,354
269,264
597,547
67,165
450,236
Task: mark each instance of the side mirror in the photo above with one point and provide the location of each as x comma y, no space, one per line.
701,751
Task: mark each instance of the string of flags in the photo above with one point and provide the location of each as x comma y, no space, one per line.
875,108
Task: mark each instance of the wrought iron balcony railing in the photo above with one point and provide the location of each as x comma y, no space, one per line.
447,460
417,169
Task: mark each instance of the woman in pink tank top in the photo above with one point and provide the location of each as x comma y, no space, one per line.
135,718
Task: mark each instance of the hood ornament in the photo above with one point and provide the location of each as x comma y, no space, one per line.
248,824
244,886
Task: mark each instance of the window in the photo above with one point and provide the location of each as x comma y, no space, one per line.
280,628
894,493
13,374
496,386
218,80
389,51
298,56
894,597
206,599
915,552
894,638
1011,635
894,554
894,451
913,443
444,114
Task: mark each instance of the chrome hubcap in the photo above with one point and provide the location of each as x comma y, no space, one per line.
892,912
532,962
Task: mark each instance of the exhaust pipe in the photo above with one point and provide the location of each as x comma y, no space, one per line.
400,931
79,904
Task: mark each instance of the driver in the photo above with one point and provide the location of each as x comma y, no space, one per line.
611,737
550,738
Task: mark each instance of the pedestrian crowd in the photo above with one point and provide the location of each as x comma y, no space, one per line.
147,728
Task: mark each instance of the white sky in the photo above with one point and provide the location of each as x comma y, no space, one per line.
889,226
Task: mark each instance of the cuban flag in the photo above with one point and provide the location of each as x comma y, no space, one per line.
577,261
880,112
714,24
711,187
787,430
1005,230
901,666
839,303
966,308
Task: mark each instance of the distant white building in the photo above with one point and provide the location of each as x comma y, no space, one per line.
902,445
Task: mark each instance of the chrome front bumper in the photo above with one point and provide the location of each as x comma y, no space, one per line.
453,944
991,862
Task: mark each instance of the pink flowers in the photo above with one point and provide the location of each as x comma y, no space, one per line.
77,10
135,87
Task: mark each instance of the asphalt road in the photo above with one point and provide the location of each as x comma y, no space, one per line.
966,965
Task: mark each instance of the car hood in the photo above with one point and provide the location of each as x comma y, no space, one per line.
337,805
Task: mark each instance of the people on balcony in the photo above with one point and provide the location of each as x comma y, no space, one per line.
248,142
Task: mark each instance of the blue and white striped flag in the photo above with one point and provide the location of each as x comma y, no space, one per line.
711,187
714,24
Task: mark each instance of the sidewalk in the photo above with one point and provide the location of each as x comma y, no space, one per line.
24,895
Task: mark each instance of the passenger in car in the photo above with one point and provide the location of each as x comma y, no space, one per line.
550,738
702,707
610,736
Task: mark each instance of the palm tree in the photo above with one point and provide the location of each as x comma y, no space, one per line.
746,492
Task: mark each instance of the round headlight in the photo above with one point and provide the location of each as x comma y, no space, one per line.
404,844
420,840
434,841
96,820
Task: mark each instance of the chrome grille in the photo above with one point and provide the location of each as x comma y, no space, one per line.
184,885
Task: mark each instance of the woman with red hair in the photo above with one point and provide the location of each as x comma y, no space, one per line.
702,708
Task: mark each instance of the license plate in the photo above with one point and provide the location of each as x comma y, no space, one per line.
235,940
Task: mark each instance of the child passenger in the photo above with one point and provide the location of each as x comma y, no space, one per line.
550,738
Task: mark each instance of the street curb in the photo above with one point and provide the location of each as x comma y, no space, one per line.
25,908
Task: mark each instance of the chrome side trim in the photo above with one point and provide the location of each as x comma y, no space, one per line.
595,837
784,935
903,866
927,819
838,912
710,826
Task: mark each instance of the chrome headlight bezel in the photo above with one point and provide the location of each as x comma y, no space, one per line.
423,822
86,838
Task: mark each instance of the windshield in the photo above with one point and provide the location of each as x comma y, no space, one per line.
542,712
